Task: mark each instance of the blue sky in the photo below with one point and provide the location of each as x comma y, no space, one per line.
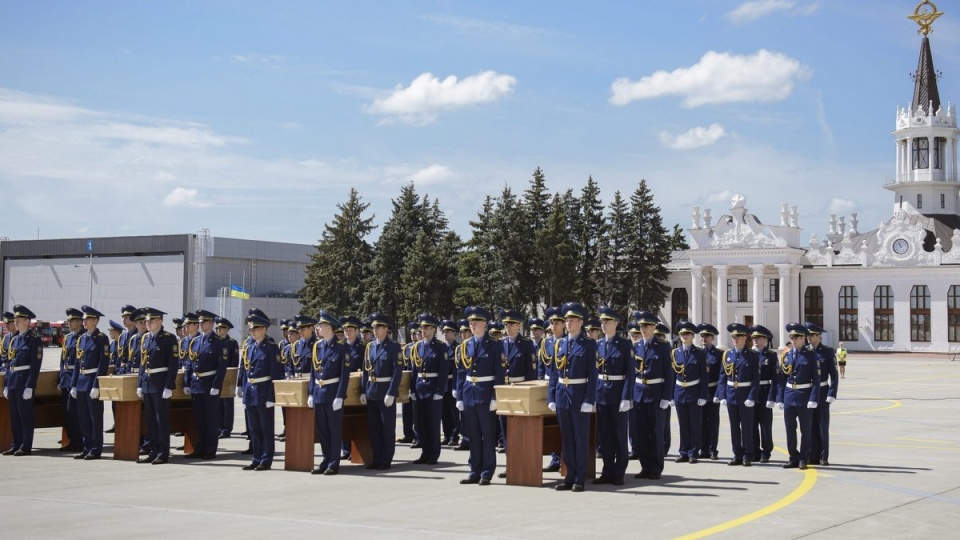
253,119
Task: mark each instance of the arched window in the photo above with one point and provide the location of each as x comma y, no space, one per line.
921,153
847,302
919,313
813,305
953,313
679,307
883,313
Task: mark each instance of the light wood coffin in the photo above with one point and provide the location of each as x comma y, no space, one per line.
526,398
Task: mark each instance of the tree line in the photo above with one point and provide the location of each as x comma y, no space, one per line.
526,251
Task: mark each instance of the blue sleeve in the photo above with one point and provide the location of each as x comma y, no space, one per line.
343,357
704,386
755,379
393,356
591,354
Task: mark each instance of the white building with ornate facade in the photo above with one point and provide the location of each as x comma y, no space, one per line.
893,288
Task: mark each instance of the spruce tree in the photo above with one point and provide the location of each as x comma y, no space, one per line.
677,241
400,231
589,231
614,281
648,251
536,206
555,249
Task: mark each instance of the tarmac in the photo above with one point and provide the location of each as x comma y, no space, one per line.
895,438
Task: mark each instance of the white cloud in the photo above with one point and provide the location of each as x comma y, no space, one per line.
431,175
718,78
257,58
723,196
182,196
842,206
757,9
693,138
480,26
427,96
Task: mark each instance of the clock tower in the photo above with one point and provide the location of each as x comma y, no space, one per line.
926,135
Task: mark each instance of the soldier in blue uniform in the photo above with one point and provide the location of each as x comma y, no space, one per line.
355,347
262,366
158,378
635,336
521,358
663,334
465,335
190,332
652,392
572,394
614,398
68,362
114,332
545,356
766,397
798,392
738,387
408,409
450,416
690,391
125,351
205,369
429,376
6,339
829,380
382,370
227,408
93,361
301,350
710,420
24,356
592,328
329,375
484,366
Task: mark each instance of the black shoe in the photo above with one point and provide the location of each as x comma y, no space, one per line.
693,459
733,462
642,474
247,452
633,457
617,481
159,461
501,475
577,488
714,456
179,448
682,459
704,455
10,452
262,467
790,465
462,446
225,435
143,452
147,459
764,459
501,450
319,470
563,487
445,441
654,476
420,460
602,480
416,444
431,462
803,466
747,463
91,457
22,452
345,456
330,472
551,468
245,434
250,467
79,456
484,482
111,430
470,480
824,462
405,440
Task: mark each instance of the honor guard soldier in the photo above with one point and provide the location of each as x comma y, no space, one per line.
829,380
205,369
690,391
190,332
382,371
68,362
546,354
116,330
408,409
158,378
635,336
124,342
262,366
592,328
798,392
329,376
429,376
710,432
302,348
177,328
11,329
536,332
614,398
24,356
572,393
285,339
767,395
461,372
93,361
484,366
738,387
496,330
366,333
350,324
450,416
652,392
663,334
223,327
521,358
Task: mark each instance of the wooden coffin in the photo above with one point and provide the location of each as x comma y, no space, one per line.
291,392
178,393
118,387
229,388
526,398
47,384
353,389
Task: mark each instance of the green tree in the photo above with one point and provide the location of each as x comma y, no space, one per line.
536,206
614,283
555,247
678,241
589,230
648,251
338,267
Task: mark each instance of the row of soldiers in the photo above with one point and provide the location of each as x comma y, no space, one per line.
631,385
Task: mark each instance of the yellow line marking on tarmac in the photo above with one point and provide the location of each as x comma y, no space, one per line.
922,440
894,403
912,447
809,479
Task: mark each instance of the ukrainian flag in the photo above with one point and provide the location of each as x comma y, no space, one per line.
237,291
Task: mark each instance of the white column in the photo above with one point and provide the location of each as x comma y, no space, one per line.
784,273
757,293
899,162
721,271
696,293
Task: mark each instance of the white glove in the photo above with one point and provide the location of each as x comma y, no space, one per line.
388,401
625,405
701,402
4,393
28,393
139,392
363,399
167,393
552,406
337,404
770,404
493,404
664,404
310,401
58,387
586,408
723,402
411,395
239,392
186,390
73,393
460,406
94,393
749,403
214,391
437,396
811,404
270,404
716,399
831,399
780,406
673,403
454,394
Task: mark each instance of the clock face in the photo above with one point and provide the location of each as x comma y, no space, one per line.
900,246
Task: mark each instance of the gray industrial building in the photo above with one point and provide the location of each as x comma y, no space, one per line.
174,273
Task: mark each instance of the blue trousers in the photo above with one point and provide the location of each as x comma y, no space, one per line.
575,436
382,427
741,430
262,425
408,414
667,428
688,414
329,426
710,432
158,424
226,414
649,435
820,448
428,427
612,432
762,431
206,413
480,424
71,419
450,416
90,415
804,417
21,420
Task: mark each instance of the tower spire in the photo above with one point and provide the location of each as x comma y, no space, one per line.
925,89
